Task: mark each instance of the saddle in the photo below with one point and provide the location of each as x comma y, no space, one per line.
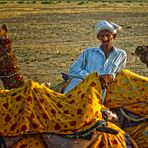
84,139
57,141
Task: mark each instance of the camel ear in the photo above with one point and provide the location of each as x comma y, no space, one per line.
4,27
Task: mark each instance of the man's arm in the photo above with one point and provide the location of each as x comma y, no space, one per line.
78,68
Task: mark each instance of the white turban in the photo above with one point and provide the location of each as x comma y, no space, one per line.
104,25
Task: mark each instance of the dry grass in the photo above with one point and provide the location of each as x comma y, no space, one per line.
47,38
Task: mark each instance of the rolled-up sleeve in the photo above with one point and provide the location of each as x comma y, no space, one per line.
78,68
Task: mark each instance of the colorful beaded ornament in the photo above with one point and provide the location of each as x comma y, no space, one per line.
9,71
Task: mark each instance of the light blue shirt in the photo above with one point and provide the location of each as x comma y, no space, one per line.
94,60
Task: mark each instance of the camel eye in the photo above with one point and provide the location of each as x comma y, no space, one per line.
139,50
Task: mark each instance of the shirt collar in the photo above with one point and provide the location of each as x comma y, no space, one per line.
101,51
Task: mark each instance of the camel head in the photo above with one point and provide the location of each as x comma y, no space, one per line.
142,53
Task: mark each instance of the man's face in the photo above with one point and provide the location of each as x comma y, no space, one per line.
2,32
106,38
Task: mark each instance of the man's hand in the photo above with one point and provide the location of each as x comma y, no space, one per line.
105,80
109,115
